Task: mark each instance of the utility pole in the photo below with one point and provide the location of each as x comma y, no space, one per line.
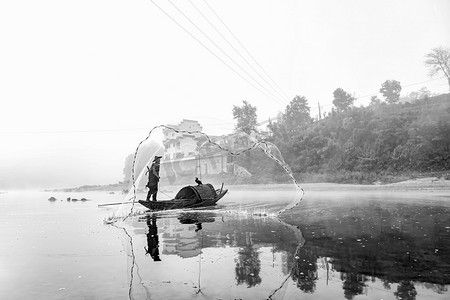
320,115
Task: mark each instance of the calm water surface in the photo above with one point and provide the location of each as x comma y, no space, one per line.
354,244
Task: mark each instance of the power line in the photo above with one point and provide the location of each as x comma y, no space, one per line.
204,46
424,81
228,56
313,109
72,131
228,42
243,47
412,84
99,130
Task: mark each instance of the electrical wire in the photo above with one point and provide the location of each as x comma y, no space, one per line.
228,42
272,96
203,45
245,49
412,84
72,131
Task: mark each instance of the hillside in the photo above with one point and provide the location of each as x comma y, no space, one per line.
387,142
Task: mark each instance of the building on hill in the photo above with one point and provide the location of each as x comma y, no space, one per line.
188,153
182,141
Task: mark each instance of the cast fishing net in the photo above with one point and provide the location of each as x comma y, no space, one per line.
237,158
234,159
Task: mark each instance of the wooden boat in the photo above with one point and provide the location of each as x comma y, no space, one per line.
189,197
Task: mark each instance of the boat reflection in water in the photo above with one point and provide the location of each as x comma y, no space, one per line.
205,252
395,252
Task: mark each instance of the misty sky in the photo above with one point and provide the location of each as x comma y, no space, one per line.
82,82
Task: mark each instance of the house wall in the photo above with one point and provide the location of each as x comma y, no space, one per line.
195,167
181,144
181,155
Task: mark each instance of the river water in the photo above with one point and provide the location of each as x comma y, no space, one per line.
336,244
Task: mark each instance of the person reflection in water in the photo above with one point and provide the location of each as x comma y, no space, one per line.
152,239
153,178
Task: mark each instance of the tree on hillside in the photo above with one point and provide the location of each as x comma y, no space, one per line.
391,90
423,93
246,117
438,60
342,100
296,114
374,100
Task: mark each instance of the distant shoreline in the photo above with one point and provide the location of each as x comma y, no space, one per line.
428,183
117,187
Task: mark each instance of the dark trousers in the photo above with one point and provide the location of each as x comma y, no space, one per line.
152,190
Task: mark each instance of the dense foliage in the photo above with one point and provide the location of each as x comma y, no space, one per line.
384,141
383,138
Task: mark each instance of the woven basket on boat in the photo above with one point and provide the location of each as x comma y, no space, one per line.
199,192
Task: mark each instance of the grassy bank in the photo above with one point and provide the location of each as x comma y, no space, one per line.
348,177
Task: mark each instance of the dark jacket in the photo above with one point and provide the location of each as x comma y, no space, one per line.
153,175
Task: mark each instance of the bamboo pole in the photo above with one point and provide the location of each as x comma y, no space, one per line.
118,203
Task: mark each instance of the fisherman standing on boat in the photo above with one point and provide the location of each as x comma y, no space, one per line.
153,178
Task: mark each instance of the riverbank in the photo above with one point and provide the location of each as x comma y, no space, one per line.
427,183
114,188
421,183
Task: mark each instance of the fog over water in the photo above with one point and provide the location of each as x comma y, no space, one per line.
83,82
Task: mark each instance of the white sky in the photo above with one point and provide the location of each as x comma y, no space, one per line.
82,82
